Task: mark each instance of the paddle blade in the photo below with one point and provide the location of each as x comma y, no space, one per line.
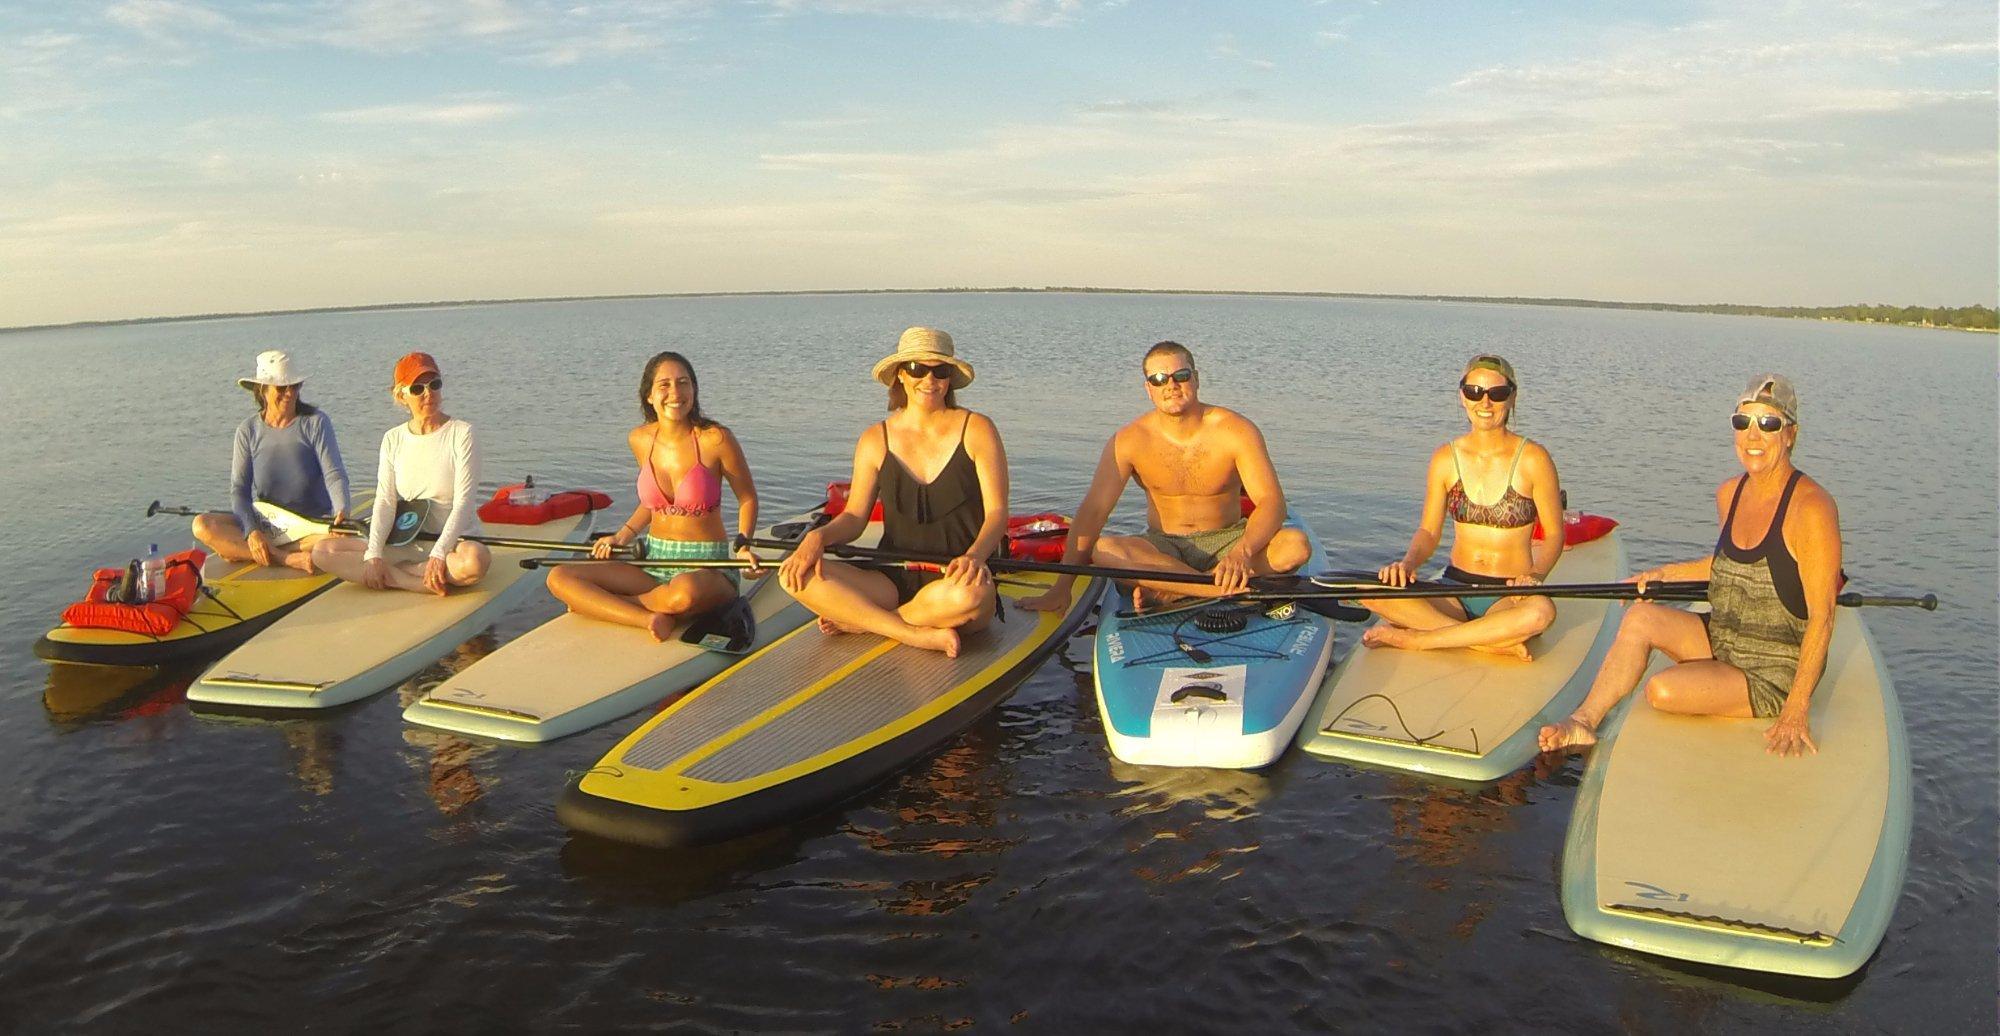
730,629
410,515
1335,610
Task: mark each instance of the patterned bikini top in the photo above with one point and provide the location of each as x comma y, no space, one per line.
1511,511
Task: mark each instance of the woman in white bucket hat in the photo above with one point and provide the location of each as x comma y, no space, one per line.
285,454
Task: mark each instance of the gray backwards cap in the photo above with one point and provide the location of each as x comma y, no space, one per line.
1772,390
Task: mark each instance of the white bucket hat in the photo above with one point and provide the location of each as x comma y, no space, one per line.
273,368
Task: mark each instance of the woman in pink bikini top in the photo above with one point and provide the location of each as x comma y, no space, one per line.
683,522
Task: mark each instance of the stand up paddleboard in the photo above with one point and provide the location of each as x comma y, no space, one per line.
806,722
1222,686
1467,714
238,598
1689,840
351,642
573,673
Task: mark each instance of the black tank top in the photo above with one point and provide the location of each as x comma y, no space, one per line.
1772,549
940,517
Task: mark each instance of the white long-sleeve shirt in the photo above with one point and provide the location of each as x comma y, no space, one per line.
442,467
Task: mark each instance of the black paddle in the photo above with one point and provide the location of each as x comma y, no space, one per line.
848,551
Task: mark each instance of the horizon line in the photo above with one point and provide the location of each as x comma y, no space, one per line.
1714,308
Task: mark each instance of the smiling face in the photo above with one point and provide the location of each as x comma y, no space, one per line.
927,387
1760,451
672,391
280,403
1485,414
1182,384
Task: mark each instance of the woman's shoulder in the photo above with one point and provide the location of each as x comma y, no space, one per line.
1811,496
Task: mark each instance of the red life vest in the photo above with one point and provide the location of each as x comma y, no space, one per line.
157,617
502,510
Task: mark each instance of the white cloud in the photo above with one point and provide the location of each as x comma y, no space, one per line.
445,114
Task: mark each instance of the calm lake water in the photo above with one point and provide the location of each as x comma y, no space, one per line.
161,867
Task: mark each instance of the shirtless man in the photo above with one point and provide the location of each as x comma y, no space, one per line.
1195,461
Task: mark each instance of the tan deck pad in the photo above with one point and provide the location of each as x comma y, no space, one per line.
737,696
892,684
571,661
1469,701
1696,818
351,629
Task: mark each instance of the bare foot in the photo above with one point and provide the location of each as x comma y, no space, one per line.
834,629
1519,651
301,560
1145,598
1387,634
662,626
1570,733
945,640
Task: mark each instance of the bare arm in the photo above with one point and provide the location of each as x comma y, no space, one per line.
1813,532
1260,484
989,460
736,471
1080,545
1430,524
1697,569
1545,488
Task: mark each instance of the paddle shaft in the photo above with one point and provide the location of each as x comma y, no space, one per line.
846,551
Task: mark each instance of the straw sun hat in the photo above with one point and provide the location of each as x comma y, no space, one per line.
923,345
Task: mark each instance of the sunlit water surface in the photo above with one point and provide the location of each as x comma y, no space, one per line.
160,866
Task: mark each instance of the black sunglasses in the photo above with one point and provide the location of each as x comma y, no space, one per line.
426,385
1475,393
940,371
1179,377
1767,423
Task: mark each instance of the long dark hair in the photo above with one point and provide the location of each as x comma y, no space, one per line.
257,394
695,416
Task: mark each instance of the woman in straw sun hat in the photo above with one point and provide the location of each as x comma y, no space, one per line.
941,474
284,454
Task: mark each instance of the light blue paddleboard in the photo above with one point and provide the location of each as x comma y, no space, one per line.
1221,686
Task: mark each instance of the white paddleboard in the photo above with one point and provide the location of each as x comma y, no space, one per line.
1467,714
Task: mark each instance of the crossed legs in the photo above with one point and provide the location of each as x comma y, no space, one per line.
1426,624
849,599
630,596
1286,552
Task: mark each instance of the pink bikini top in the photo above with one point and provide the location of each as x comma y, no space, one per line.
699,492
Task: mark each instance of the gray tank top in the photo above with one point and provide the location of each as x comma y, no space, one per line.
1749,625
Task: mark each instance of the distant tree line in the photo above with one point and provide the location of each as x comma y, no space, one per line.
1971,318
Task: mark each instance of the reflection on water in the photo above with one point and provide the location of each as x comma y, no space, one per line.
448,758
76,694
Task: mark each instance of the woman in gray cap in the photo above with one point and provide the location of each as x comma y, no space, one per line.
1772,581
285,454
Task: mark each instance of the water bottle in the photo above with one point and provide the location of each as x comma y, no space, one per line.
153,573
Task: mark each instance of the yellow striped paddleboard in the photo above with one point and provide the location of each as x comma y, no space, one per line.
804,723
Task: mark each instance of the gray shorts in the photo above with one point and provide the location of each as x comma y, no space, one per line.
1200,550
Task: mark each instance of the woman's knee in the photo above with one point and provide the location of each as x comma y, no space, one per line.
468,562
1539,613
208,525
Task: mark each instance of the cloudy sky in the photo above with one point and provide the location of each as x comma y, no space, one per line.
180,156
